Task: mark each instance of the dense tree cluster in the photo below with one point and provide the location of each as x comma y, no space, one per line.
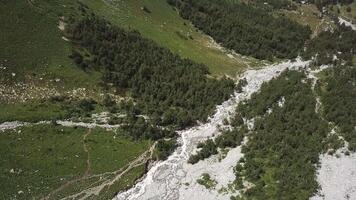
247,29
332,46
208,148
283,148
227,139
170,89
338,96
164,148
139,128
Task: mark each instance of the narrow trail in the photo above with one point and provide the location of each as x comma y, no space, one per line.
106,179
86,150
108,182
84,176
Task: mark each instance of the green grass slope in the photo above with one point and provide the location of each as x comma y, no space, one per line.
32,44
37,160
33,47
162,23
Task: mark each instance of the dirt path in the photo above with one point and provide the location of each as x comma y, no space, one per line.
84,176
86,150
142,159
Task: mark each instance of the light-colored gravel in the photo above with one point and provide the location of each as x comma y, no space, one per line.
337,177
175,178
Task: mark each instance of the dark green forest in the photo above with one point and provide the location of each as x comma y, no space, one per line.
171,90
337,89
340,42
282,150
247,29
284,146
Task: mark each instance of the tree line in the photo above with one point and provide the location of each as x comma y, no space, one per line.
337,90
283,148
173,91
332,46
247,29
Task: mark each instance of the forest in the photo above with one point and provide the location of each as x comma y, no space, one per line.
332,47
227,139
337,89
246,29
283,148
171,90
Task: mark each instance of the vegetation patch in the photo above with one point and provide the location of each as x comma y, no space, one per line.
282,152
337,88
164,26
206,181
46,160
164,148
172,90
32,43
332,47
247,29
57,108
308,14
226,140
31,112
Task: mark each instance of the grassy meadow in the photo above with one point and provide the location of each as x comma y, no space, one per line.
37,160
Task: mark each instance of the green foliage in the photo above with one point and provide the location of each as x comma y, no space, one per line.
165,27
206,181
208,148
138,128
283,149
31,111
241,84
340,43
125,182
337,89
38,159
164,148
164,84
57,108
32,44
227,139
244,28
348,9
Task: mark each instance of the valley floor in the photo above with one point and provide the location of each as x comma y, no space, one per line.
176,179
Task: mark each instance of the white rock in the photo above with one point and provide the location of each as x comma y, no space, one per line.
337,177
167,179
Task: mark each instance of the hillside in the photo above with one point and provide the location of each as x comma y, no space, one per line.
53,79
177,99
